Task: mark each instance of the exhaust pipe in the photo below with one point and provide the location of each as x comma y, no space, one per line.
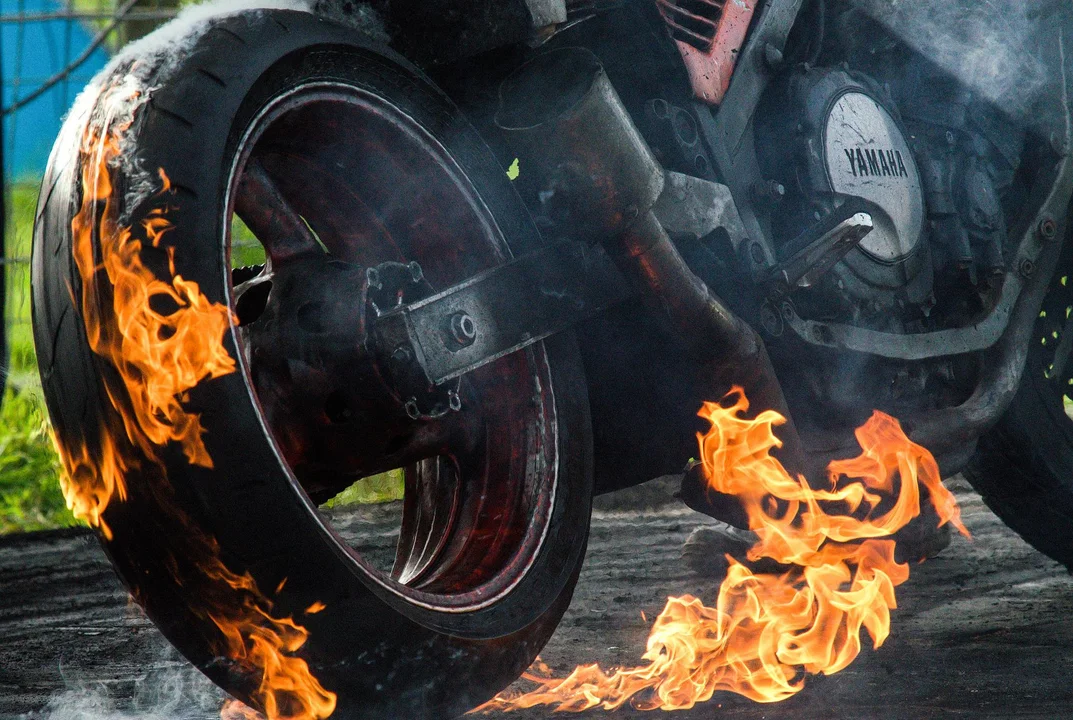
598,176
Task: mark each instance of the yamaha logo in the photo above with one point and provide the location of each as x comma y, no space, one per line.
870,162
881,169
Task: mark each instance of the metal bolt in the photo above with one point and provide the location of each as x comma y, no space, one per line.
403,355
372,276
411,409
770,191
685,128
757,253
773,57
1027,268
416,273
770,320
463,329
788,312
1048,228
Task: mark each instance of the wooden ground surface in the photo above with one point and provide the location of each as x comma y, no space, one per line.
983,631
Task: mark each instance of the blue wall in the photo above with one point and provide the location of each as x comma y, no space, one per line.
46,45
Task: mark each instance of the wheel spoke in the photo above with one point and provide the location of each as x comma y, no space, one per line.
430,501
267,213
436,490
482,511
340,464
251,297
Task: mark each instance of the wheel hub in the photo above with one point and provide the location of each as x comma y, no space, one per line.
319,376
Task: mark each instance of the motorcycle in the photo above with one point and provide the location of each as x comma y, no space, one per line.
504,248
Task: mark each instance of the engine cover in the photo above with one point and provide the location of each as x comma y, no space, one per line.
825,134
867,156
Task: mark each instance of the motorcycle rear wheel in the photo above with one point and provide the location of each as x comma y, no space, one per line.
496,513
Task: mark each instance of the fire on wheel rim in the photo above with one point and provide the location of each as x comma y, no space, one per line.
358,208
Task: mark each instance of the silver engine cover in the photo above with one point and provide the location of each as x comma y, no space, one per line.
827,134
867,156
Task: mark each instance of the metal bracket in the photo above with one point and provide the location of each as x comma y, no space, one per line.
697,207
502,310
510,307
547,12
820,248
727,132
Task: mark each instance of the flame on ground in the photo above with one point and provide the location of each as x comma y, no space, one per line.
768,631
162,337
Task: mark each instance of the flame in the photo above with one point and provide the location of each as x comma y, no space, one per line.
767,631
256,639
235,710
160,356
160,337
88,483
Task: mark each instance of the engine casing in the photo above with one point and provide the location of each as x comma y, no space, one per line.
829,134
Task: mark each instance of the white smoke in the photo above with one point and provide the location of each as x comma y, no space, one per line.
173,41
172,690
992,46
148,63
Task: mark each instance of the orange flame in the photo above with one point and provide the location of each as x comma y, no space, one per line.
768,630
88,483
257,639
163,337
235,710
159,356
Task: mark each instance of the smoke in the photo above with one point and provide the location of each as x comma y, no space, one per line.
357,15
173,690
991,46
147,64
173,41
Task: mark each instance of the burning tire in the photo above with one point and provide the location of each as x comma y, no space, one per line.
204,403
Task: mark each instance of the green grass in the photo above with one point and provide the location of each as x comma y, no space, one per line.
18,238
371,491
30,497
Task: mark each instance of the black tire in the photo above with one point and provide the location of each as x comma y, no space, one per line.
1023,467
382,654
